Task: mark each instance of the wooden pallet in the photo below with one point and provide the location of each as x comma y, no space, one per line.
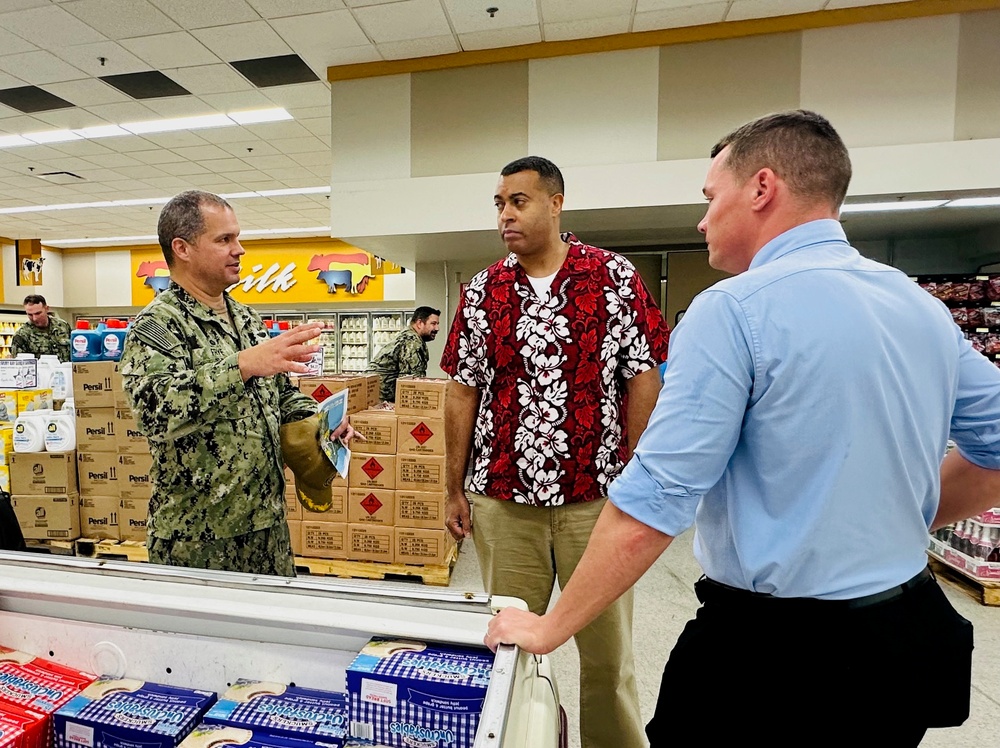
54,547
432,574
113,550
984,591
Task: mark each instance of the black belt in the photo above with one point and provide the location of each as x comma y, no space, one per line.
709,590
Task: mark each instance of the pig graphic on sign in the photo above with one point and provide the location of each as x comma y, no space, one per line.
349,270
156,273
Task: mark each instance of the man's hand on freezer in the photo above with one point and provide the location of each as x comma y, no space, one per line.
521,628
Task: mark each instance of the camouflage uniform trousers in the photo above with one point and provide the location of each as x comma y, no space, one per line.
267,551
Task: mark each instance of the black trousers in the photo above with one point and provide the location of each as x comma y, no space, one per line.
11,538
807,672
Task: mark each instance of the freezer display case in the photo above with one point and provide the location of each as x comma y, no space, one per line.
203,629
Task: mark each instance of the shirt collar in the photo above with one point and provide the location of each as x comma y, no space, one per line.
192,305
804,236
575,248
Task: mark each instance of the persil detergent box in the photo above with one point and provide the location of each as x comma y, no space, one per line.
278,709
416,695
125,713
40,685
207,735
22,728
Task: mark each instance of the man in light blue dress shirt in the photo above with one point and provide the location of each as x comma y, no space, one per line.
801,425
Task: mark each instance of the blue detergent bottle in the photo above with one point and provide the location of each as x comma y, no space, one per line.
84,343
113,340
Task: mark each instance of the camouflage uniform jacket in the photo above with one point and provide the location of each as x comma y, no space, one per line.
404,356
217,466
53,339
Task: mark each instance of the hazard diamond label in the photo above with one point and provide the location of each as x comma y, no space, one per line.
372,468
321,393
421,433
371,504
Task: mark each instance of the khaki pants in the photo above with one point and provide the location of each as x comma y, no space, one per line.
522,551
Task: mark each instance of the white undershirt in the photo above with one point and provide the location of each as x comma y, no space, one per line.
542,286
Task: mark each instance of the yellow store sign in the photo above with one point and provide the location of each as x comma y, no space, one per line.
288,271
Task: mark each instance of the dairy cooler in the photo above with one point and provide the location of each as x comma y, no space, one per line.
204,629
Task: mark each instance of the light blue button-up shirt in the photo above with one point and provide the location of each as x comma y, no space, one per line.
803,419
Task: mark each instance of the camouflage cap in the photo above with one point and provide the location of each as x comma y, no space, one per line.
304,456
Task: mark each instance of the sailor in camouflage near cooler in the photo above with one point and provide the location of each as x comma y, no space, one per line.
406,354
210,390
44,333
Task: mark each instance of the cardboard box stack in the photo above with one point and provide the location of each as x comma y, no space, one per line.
394,497
113,458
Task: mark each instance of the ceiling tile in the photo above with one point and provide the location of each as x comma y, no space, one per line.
126,111
70,119
224,135
175,50
170,184
49,27
645,6
280,8
159,156
184,169
197,14
30,99
200,152
126,144
87,92
150,84
321,31
20,124
269,162
470,17
315,94
321,126
742,10
180,139
204,79
835,4
9,81
87,57
180,106
409,19
425,47
501,38
283,70
260,148
7,6
40,67
236,100
141,171
11,44
366,3
243,40
272,130
299,145
677,17
569,11
310,112
114,160
121,19
585,29
82,148
347,56
226,165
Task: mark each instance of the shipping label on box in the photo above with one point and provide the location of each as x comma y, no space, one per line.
406,693
48,517
39,473
133,476
127,436
371,506
93,384
420,396
295,535
419,473
98,473
18,373
95,430
289,711
336,513
132,519
372,471
324,539
420,436
126,713
99,517
420,546
373,384
293,509
40,685
420,509
378,427
370,543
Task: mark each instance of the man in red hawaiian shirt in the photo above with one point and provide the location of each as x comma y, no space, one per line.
554,354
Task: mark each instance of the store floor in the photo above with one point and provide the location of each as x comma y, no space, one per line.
665,601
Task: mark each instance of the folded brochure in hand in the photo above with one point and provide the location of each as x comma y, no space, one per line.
332,412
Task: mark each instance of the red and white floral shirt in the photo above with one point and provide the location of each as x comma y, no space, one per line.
551,423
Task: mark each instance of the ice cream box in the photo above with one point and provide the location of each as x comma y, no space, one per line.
22,728
406,693
283,710
126,713
32,683
208,735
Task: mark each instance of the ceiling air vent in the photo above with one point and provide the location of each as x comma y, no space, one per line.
61,177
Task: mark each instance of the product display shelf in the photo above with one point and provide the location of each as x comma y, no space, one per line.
984,591
9,324
430,574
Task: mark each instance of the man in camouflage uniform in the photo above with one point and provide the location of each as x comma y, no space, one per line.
406,354
210,390
44,333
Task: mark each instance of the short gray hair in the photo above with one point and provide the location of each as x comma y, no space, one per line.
181,218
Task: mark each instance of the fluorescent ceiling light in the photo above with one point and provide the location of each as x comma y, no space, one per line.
101,131
325,230
139,201
100,240
898,205
974,202
52,136
268,232
238,195
177,123
12,141
156,200
256,116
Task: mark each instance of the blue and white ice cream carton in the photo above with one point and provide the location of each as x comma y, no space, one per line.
208,735
278,709
125,713
410,694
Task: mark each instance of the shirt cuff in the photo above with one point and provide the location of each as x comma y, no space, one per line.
638,495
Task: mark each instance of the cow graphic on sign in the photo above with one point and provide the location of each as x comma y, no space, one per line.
156,273
348,270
